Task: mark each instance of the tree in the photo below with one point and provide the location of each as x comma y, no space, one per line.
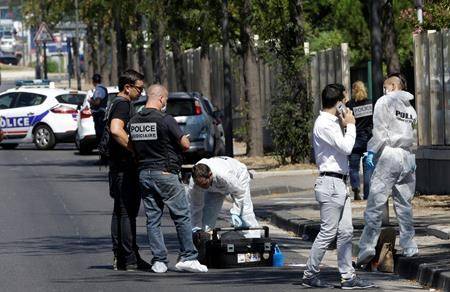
281,26
251,78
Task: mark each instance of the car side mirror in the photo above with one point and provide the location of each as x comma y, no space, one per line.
78,107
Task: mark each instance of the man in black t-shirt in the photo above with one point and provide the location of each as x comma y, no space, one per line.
123,181
158,142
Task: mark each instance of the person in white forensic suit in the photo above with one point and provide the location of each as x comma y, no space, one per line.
391,147
212,180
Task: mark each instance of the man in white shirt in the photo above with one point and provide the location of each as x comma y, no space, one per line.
213,179
331,148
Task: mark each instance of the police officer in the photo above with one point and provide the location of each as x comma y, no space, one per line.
123,175
158,142
98,104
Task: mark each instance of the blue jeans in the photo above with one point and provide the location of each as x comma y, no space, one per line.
354,161
160,188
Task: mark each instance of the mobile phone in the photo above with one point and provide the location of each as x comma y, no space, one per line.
341,108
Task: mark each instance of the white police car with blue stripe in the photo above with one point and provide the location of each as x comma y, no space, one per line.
40,115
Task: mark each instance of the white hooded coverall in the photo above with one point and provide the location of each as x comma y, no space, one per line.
230,177
394,137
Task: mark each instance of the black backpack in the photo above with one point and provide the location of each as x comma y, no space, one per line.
104,143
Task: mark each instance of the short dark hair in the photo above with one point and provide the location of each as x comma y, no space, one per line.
331,94
129,77
200,170
401,77
97,78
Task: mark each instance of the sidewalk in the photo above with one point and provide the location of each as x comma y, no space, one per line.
298,213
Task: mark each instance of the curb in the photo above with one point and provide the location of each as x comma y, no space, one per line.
264,174
275,190
428,270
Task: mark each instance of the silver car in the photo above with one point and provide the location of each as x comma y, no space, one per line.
196,117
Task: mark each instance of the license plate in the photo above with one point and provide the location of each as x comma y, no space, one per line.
248,257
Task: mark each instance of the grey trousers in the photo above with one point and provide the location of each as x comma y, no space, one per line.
335,220
395,171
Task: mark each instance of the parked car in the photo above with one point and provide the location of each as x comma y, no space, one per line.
39,114
85,139
195,115
8,43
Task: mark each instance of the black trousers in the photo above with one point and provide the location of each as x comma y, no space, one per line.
99,123
123,185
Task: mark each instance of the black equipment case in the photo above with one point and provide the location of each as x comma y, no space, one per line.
235,253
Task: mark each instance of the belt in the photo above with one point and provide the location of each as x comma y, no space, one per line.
334,174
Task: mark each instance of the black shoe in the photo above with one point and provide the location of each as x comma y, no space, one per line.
114,265
143,265
316,283
131,268
356,283
357,195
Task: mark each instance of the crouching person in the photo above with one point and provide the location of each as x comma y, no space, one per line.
158,143
212,180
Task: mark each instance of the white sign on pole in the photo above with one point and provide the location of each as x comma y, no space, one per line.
43,34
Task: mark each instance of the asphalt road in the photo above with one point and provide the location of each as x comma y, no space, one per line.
54,235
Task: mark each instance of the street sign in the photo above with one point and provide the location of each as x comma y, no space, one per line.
43,34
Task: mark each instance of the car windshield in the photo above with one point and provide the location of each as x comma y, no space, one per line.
180,107
75,99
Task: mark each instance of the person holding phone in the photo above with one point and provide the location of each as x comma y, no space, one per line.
333,139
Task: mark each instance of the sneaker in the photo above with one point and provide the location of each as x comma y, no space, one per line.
365,257
315,282
191,266
159,267
356,283
410,251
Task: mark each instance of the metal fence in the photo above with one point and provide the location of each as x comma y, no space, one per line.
328,66
432,86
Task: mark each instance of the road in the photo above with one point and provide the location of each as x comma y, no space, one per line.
54,235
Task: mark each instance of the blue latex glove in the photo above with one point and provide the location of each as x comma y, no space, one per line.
236,221
369,159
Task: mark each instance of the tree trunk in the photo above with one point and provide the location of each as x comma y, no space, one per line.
114,64
252,94
205,71
390,39
90,59
121,44
177,60
159,53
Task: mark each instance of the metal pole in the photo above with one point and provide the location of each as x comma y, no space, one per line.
38,72
77,43
228,121
45,60
419,6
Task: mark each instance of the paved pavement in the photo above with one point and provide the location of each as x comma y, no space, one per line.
54,235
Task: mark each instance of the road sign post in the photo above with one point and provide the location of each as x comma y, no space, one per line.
43,35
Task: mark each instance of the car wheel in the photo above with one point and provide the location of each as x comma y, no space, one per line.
219,148
9,146
44,138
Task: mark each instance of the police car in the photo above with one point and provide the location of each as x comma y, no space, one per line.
40,114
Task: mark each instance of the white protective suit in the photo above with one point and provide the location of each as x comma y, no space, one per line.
394,138
230,177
